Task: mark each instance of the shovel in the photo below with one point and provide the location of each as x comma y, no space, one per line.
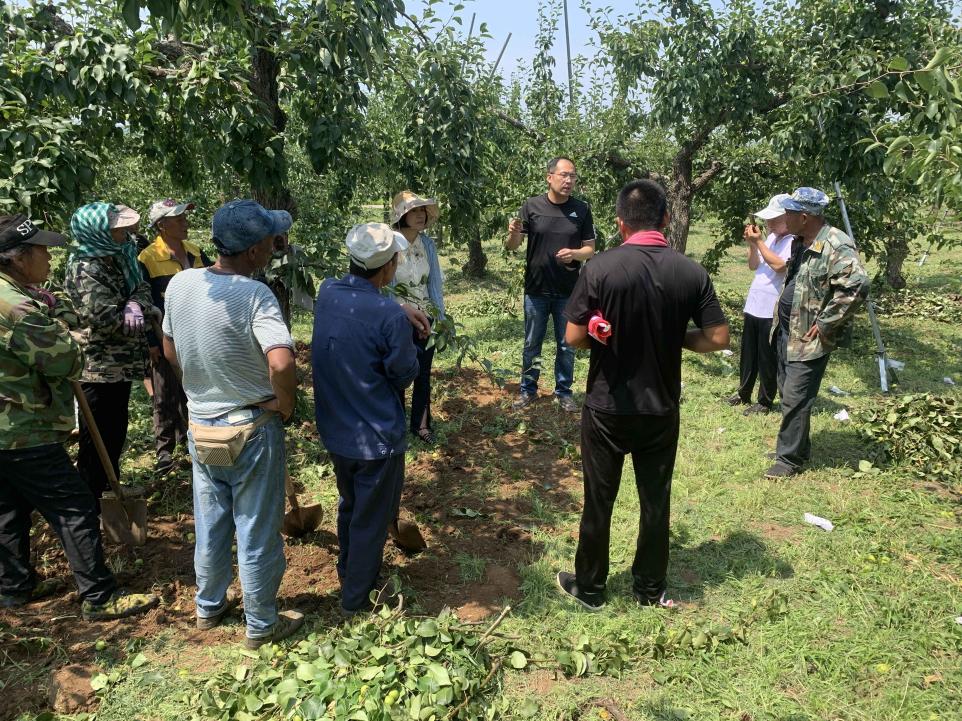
123,513
300,520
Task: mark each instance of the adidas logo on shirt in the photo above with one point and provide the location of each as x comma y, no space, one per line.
573,214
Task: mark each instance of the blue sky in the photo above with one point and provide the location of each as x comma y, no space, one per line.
520,18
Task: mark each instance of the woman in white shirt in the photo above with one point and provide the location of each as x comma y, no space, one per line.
420,273
769,259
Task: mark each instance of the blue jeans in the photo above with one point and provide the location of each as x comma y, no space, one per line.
537,308
247,497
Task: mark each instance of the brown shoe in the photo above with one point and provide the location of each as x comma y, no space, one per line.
209,622
288,622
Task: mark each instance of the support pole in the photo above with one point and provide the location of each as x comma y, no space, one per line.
869,303
571,85
500,55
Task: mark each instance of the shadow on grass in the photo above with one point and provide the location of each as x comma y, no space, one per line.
693,570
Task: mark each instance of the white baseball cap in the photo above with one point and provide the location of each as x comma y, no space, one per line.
167,208
774,207
372,245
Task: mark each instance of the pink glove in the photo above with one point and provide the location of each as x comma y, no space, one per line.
599,328
44,296
133,318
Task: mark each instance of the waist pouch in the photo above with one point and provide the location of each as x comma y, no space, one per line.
222,445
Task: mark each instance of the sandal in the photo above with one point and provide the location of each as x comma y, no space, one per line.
427,436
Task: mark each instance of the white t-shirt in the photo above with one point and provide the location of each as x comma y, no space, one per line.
223,326
767,285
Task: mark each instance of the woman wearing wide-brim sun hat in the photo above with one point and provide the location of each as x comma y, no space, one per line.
420,273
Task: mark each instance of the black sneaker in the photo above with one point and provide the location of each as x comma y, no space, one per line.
757,408
736,400
661,601
288,622
568,404
569,586
780,470
524,400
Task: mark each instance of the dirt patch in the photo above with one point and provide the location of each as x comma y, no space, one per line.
514,469
776,532
500,586
70,690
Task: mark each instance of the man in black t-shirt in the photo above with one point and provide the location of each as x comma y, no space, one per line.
648,293
561,236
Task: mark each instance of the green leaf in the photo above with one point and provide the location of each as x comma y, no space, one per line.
439,674
940,58
138,661
131,13
877,90
898,64
517,660
529,708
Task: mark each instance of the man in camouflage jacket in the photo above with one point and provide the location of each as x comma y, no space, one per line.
824,286
38,361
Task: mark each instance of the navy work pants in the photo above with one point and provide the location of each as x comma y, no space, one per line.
370,496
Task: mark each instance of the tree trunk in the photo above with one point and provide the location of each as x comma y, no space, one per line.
266,69
895,255
679,200
477,260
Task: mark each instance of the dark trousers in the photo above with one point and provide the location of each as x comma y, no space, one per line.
44,479
108,403
421,392
799,382
370,495
170,408
758,361
605,441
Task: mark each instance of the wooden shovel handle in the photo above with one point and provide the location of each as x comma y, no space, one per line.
291,495
98,441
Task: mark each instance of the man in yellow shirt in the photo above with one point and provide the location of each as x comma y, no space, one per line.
160,261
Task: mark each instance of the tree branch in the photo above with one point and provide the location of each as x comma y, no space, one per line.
707,176
514,122
615,160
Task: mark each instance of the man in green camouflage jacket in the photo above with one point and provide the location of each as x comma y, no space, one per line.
824,286
38,361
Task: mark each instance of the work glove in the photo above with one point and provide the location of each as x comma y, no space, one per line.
133,318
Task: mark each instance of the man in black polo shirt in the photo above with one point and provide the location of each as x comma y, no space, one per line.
561,236
647,292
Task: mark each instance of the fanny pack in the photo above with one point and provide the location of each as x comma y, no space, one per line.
222,445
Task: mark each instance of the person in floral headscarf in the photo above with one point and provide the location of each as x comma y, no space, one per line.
112,300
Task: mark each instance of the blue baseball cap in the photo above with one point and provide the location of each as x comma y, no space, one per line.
242,224
806,200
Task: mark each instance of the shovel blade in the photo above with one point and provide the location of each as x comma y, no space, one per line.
125,521
302,520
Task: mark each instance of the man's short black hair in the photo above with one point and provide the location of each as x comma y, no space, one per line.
553,163
642,205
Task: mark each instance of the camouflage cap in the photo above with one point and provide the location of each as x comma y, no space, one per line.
806,200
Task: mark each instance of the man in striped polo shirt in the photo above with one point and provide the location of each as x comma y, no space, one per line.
225,333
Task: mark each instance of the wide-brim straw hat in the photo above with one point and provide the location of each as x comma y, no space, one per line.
406,201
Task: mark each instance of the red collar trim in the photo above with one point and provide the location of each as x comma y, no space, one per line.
646,237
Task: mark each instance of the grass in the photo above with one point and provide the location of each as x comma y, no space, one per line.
869,633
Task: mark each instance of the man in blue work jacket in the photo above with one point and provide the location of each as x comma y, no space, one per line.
364,357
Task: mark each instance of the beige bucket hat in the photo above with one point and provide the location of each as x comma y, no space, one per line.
406,201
